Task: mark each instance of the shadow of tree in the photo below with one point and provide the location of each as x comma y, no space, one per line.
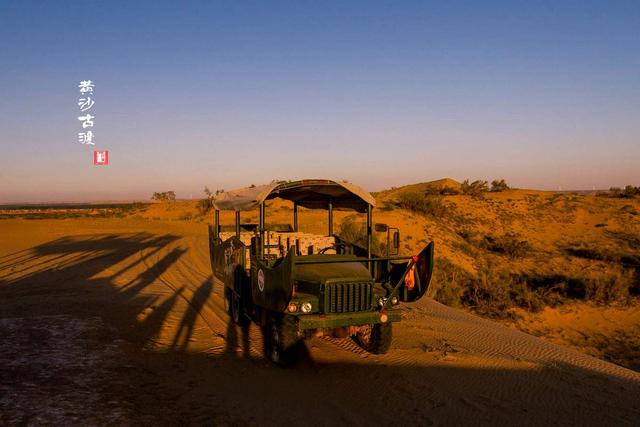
70,275
185,329
108,276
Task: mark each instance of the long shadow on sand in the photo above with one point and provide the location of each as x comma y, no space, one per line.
92,276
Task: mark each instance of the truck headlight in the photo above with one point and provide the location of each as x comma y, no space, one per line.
292,307
306,307
394,300
381,301
383,317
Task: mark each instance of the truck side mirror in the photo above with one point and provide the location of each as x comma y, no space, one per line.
381,228
396,240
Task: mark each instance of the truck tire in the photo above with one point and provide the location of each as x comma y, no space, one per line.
375,338
281,340
237,310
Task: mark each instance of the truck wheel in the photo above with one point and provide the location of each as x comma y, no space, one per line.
237,310
375,338
282,340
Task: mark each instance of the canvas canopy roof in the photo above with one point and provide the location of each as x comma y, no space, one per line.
309,193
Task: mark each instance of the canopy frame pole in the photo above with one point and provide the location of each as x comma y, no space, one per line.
261,230
216,224
238,224
369,236
330,209
295,217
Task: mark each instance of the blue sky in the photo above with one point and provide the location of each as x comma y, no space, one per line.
225,94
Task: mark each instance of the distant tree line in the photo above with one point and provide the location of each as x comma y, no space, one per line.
478,187
628,192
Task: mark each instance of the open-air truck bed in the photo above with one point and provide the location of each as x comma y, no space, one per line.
297,285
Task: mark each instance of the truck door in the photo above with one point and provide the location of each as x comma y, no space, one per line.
418,278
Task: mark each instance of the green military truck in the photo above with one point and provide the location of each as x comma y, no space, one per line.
297,285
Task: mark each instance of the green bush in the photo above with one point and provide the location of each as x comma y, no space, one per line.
630,191
494,291
476,188
204,206
612,286
499,185
424,204
508,244
449,282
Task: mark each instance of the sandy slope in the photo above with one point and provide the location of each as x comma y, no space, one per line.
610,333
118,321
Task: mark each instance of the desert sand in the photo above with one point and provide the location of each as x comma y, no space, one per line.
118,321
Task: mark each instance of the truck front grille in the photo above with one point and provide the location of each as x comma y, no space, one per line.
348,297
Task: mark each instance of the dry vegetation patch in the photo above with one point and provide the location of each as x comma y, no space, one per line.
507,251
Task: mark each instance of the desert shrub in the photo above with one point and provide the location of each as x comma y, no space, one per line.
499,185
488,296
615,192
449,282
611,286
470,235
447,190
631,240
625,252
634,290
494,292
621,348
424,204
629,209
475,188
464,247
387,206
204,206
509,244
587,252
356,233
628,191
165,196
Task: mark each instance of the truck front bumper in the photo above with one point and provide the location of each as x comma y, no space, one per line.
316,321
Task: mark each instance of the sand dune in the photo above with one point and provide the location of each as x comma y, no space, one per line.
112,321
